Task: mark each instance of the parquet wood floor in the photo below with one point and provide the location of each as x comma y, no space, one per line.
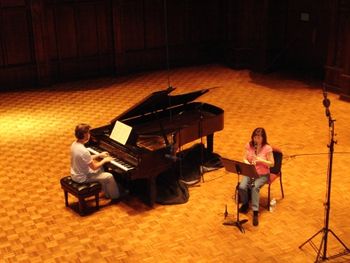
36,130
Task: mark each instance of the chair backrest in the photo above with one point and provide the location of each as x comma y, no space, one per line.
278,156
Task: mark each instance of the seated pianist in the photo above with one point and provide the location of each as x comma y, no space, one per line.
89,168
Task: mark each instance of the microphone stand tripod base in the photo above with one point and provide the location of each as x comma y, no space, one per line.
237,223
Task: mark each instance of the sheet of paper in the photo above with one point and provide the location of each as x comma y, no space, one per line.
121,132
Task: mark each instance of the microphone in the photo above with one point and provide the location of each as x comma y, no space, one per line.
326,102
256,148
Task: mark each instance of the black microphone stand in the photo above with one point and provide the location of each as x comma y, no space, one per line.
201,172
325,230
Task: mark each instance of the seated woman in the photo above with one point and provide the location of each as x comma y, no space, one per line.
259,153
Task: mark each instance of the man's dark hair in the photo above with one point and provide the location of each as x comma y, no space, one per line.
81,130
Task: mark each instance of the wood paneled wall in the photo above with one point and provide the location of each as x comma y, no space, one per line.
193,29
270,34
308,35
46,41
338,60
80,38
257,33
16,45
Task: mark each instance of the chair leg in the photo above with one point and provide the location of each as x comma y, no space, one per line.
97,198
81,206
66,197
281,186
268,197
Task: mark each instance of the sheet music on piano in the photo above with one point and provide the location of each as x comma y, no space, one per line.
120,132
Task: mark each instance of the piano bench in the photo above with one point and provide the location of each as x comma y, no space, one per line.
80,191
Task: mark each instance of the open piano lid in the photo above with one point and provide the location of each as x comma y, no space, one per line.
159,100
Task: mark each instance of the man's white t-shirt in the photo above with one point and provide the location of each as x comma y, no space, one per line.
80,160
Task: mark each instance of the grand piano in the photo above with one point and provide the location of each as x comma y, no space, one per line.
161,123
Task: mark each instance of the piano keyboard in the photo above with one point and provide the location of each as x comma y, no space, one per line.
116,162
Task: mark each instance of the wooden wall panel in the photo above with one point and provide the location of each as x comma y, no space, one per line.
12,3
17,54
86,20
52,36
345,74
132,25
177,17
154,23
194,29
80,38
305,43
39,40
240,39
45,41
104,28
66,32
105,56
260,33
2,53
271,34
338,68
276,35
16,36
206,20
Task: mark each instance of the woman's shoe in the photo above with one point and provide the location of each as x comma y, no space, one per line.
244,208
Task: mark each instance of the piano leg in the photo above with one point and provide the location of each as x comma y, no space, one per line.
152,190
210,142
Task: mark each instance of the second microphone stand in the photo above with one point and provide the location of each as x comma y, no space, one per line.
325,230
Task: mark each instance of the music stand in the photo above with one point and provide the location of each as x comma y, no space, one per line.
244,169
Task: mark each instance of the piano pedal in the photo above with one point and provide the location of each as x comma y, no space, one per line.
191,183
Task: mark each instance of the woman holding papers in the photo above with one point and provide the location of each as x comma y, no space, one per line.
258,153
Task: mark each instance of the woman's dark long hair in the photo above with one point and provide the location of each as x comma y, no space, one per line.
259,131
